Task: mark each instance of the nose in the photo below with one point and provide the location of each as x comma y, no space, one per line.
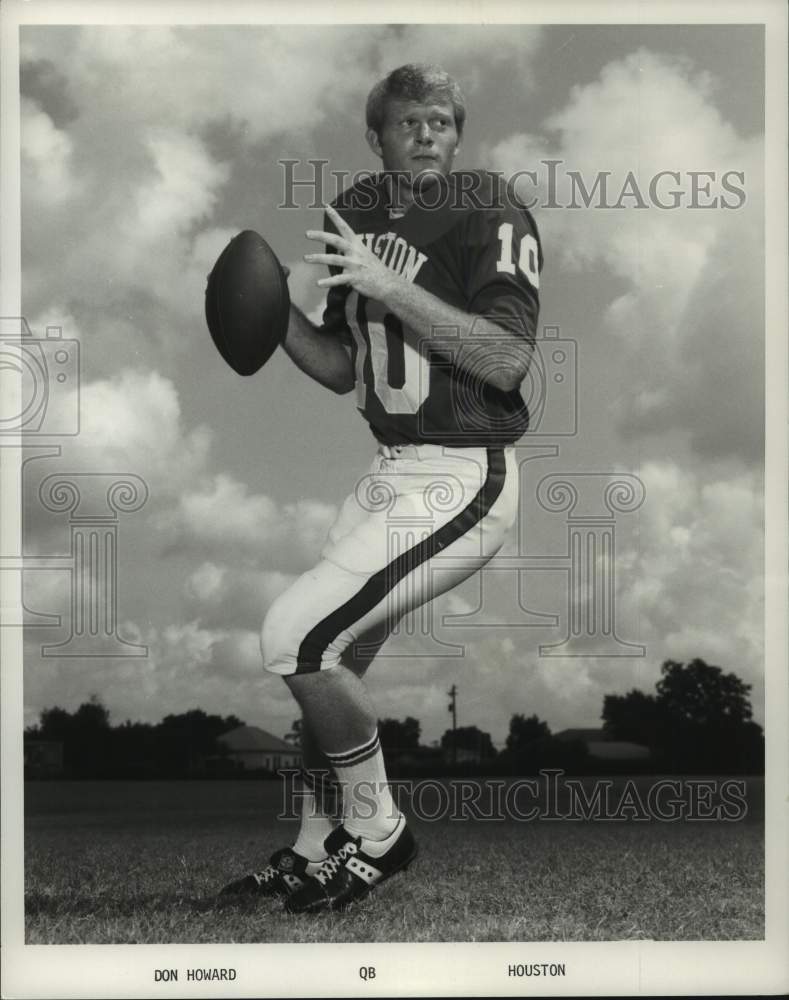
423,134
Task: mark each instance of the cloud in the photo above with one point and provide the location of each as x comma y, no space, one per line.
233,596
194,75
685,332
47,156
712,383
187,666
133,422
454,48
689,584
129,424
136,235
236,549
180,190
501,674
158,122
207,581
184,75
223,517
43,82
695,579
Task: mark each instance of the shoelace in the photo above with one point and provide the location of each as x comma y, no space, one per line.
334,862
268,873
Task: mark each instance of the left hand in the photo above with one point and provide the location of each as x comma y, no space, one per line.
362,270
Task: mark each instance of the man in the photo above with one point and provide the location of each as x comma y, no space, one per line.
431,314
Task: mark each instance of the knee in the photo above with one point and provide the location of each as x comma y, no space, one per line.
290,641
301,686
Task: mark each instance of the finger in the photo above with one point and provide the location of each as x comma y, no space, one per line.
332,239
335,279
330,258
339,222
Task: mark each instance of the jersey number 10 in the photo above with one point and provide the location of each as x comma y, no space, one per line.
528,255
400,373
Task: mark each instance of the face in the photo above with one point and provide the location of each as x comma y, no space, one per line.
419,140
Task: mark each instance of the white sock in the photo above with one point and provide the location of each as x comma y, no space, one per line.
317,820
368,808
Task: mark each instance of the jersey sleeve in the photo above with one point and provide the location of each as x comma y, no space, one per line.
334,321
503,263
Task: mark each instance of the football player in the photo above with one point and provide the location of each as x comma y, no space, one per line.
431,312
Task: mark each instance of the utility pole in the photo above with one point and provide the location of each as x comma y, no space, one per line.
452,707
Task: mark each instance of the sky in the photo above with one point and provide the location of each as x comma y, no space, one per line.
145,149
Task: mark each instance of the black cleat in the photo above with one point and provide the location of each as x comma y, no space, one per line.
286,873
353,868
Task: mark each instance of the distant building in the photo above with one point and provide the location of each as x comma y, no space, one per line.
600,746
462,755
43,758
253,748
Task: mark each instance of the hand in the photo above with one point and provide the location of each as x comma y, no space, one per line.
362,270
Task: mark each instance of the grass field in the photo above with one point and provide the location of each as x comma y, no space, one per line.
134,862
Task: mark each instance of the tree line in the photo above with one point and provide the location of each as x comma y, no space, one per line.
699,720
176,747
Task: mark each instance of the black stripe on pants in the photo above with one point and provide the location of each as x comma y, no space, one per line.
319,638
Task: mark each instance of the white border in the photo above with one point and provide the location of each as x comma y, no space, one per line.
617,968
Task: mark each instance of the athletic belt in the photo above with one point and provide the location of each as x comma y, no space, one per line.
424,452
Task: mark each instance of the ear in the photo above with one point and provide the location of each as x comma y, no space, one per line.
456,150
373,142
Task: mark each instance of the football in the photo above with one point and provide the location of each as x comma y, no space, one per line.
247,303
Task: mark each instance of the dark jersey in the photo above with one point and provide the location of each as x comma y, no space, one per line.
473,246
